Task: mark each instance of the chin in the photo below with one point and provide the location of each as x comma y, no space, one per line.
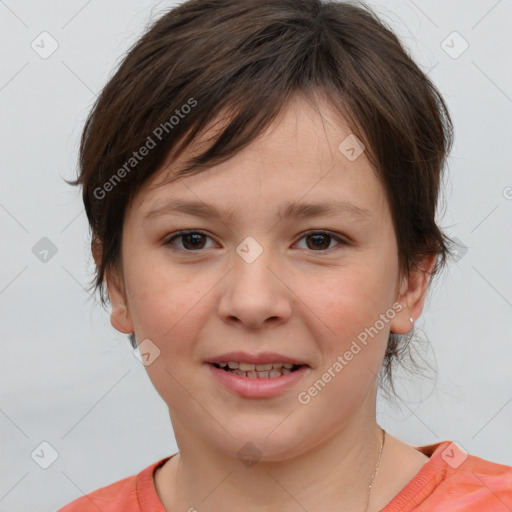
264,442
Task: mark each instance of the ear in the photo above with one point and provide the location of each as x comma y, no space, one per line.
120,316
412,295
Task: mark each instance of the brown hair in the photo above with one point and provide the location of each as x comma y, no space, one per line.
207,57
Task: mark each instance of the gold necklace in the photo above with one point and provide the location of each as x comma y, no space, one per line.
376,468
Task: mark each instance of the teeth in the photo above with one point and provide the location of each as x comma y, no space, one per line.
252,371
247,367
264,367
257,371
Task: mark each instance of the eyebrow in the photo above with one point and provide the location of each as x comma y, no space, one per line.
300,210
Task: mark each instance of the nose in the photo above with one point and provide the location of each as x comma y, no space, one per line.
256,293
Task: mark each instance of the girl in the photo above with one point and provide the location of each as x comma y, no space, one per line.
261,179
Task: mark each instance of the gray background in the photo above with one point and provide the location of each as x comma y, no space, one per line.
70,380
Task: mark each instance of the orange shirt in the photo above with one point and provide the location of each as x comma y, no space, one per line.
451,481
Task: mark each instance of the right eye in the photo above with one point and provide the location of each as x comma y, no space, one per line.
190,240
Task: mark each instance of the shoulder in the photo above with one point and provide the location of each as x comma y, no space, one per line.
115,497
468,483
128,494
488,483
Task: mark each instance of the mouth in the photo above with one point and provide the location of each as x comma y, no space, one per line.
261,375
260,379
258,371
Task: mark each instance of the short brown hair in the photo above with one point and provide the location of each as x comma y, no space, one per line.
248,58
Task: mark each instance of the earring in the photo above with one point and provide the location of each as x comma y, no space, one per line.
411,320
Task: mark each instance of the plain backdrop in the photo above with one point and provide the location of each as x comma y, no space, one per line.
74,397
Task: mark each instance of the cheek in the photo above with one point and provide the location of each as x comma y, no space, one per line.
345,299
162,302
350,339
169,309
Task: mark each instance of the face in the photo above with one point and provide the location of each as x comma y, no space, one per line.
255,281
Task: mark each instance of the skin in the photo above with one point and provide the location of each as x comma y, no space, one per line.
294,299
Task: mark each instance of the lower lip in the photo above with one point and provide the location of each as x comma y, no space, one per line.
257,388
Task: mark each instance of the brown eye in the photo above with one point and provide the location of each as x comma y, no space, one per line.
191,240
321,240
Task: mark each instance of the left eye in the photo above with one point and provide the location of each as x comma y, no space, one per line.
192,241
320,239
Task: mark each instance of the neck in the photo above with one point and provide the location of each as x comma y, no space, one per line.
332,475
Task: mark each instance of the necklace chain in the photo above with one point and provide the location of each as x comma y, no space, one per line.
376,469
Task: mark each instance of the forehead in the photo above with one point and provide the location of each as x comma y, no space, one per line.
302,155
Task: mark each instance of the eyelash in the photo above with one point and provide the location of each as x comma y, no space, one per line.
180,234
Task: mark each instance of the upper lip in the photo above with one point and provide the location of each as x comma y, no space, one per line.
261,358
